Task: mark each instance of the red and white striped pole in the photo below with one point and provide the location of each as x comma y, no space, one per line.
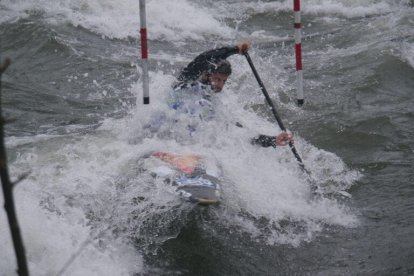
298,53
144,50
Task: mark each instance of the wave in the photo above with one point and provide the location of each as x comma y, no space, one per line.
167,20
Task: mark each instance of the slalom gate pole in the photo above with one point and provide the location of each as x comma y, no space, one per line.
298,53
272,106
144,50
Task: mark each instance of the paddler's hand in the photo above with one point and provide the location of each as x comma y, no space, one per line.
243,47
284,138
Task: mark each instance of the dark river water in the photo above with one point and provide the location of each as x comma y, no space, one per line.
74,92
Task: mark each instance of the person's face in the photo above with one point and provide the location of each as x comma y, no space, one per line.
217,81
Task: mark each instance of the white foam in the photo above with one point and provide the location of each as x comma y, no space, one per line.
241,10
166,20
263,182
53,203
349,9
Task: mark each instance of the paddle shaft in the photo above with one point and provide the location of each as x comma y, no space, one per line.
272,106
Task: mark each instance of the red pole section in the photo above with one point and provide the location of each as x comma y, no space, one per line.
298,53
144,50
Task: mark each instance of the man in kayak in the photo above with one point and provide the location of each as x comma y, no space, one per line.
209,71
210,68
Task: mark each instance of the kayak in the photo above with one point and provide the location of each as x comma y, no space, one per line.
187,172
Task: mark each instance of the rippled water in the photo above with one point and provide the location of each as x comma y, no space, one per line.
74,92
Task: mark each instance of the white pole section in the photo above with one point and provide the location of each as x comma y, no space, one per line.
144,50
298,53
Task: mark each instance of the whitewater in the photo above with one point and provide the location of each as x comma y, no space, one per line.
88,207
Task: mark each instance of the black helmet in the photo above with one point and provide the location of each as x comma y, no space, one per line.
221,66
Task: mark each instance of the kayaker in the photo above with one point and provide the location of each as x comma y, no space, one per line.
208,72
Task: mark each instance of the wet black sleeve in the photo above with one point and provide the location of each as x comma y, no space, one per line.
264,141
201,63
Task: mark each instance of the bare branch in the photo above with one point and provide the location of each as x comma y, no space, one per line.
7,185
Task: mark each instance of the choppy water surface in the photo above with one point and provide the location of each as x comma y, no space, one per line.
75,92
